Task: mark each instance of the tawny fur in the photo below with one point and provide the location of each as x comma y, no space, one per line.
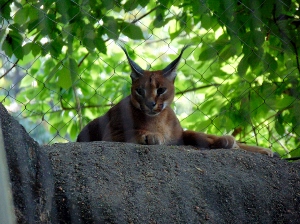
145,116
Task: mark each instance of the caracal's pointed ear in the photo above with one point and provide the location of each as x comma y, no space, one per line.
136,70
170,71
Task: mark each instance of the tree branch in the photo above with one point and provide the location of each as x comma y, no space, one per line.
274,115
68,109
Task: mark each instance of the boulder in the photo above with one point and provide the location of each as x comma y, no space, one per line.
110,182
105,182
28,170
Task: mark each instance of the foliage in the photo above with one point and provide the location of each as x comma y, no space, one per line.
241,75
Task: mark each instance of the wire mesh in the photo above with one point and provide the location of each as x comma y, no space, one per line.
60,66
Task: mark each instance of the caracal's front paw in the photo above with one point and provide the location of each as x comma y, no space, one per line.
152,139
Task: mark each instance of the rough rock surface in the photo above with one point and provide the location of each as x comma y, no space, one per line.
29,179
104,182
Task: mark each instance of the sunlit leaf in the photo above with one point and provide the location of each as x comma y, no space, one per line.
6,46
130,5
279,124
22,15
242,67
143,3
73,68
100,45
111,27
132,31
64,78
208,53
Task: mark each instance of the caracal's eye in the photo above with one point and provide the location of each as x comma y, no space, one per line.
140,91
161,91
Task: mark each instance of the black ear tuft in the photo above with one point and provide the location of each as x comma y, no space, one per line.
170,71
137,71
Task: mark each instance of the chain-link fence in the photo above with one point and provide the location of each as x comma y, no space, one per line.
60,66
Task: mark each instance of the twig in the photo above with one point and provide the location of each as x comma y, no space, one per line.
82,107
283,146
14,65
85,56
146,14
149,42
195,89
69,108
280,111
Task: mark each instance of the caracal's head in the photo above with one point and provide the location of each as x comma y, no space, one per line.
152,91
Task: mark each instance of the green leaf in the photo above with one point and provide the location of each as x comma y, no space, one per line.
279,125
22,15
165,3
208,53
228,52
18,52
64,78
159,21
255,58
279,103
270,64
73,69
27,48
5,12
54,47
63,7
243,66
35,49
143,3
50,69
214,5
206,21
100,45
6,46
111,27
108,4
285,101
198,9
160,18
33,24
132,31
15,39
73,130
258,38
130,5
296,152
88,43
33,13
